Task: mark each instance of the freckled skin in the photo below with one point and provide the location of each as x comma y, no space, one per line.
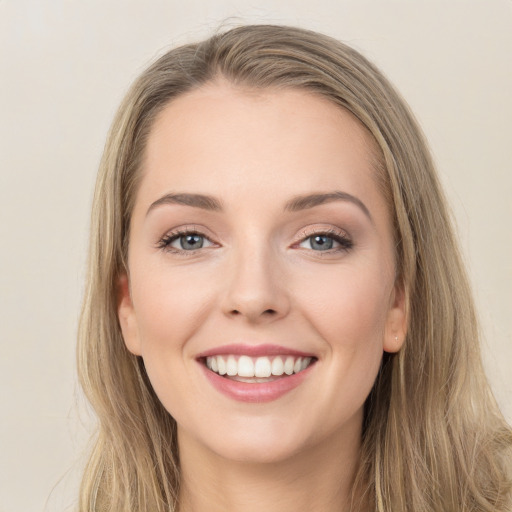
257,278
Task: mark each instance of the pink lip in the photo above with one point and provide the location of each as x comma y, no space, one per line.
257,392
253,351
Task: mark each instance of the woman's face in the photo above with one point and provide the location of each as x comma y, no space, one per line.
260,245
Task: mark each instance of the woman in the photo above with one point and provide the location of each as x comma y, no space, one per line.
276,316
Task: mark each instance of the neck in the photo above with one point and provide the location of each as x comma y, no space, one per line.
318,478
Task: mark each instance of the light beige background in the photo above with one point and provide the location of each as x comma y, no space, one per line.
64,66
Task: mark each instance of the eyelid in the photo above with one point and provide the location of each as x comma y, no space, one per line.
341,236
321,230
163,243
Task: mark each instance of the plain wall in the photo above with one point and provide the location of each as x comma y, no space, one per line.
64,66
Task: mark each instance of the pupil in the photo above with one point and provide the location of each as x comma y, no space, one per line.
192,241
323,243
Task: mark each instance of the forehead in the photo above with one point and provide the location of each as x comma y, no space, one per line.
225,140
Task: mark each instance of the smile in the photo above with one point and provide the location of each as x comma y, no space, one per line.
255,373
244,368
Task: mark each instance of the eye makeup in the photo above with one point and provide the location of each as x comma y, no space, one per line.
190,240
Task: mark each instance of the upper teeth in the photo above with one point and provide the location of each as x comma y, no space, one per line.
245,366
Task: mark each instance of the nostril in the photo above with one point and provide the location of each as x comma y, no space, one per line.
266,312
253,314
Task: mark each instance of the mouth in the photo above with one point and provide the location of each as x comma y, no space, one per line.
244,368
255,373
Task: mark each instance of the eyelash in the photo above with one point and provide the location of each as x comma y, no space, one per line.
340,237
165,242
345,243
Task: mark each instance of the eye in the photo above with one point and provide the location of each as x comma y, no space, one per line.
189,242
184,241
327,242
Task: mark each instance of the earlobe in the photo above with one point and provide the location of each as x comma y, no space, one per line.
126,315
396,326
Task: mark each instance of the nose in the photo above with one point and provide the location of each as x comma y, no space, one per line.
255,290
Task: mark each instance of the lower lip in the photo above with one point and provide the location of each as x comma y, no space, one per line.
256,392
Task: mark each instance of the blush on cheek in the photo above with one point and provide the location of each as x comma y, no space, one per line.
355,316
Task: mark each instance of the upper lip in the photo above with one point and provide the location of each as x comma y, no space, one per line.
254,351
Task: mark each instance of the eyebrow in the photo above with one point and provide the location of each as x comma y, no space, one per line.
298,203
311,200
195,200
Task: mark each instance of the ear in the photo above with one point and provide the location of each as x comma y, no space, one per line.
396,325
126,315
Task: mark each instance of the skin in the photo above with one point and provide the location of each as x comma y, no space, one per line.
258,280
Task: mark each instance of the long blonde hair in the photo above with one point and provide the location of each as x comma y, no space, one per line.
433,437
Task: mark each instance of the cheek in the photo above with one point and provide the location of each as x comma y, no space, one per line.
169,307
349,314
349,306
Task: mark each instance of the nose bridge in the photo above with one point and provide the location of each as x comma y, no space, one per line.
255,289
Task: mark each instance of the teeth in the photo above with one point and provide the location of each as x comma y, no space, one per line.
262,367
245,366
258,367
221,365
277,366
288,365
231,366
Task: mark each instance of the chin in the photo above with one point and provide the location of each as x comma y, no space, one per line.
258,451
256,440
